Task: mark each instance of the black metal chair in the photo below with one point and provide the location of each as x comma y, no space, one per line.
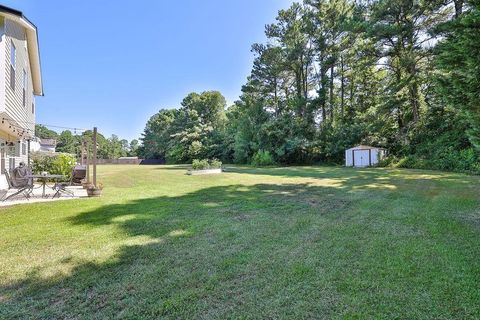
61,188
79,173
23,186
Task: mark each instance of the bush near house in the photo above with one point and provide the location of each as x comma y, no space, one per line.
59,163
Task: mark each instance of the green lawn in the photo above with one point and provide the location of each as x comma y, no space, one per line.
299,242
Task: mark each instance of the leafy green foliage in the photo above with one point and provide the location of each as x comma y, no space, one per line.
447,159
108,148
61,163
66,142
200,164
458,75
196,130
401,75
262,158
206,164
133,148
45,133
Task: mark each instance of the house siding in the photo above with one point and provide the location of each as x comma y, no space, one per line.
2,63
11,101
14,98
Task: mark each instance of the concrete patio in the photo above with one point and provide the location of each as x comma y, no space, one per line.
36,196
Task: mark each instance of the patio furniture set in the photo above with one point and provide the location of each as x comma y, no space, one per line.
21,180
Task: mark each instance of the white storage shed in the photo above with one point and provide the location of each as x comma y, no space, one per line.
363,156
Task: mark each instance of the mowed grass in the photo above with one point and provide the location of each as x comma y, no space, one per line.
278,243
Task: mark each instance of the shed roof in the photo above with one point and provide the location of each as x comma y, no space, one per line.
364,147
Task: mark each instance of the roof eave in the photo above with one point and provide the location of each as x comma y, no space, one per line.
35,64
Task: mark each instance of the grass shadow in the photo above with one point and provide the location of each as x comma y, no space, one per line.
291,250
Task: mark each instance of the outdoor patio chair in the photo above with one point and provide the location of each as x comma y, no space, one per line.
23,186
61,188
79,172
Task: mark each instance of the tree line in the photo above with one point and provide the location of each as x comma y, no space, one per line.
399,74
108,148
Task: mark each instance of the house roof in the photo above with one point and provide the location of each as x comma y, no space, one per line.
32,45
48,142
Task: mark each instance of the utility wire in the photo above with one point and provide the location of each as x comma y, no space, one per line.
46,125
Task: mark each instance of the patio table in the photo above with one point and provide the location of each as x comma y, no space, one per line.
44,178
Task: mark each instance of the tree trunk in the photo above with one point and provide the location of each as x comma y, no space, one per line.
399,108
399,120
414,91
458,8
298,81
352,95
305,83
323,91
414,99
342,87
331,93
277,107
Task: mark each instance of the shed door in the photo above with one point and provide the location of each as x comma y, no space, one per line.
361,158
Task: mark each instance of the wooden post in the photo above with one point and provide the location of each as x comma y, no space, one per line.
95,156
82,153
87,145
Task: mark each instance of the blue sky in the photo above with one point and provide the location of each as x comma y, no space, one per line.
113,64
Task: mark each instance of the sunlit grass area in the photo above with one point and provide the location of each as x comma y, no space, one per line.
297,242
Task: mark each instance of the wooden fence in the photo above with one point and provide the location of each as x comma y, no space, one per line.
119,161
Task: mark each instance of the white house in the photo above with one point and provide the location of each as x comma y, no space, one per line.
20,81
48,145
363,156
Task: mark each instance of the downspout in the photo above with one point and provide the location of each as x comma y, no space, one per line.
28,152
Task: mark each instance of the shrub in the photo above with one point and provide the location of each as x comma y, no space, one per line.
200,164
447,159
206,164
262,158
387,161
215,164
61,163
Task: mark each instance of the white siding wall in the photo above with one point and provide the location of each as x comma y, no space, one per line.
11,101
14,98
2,64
